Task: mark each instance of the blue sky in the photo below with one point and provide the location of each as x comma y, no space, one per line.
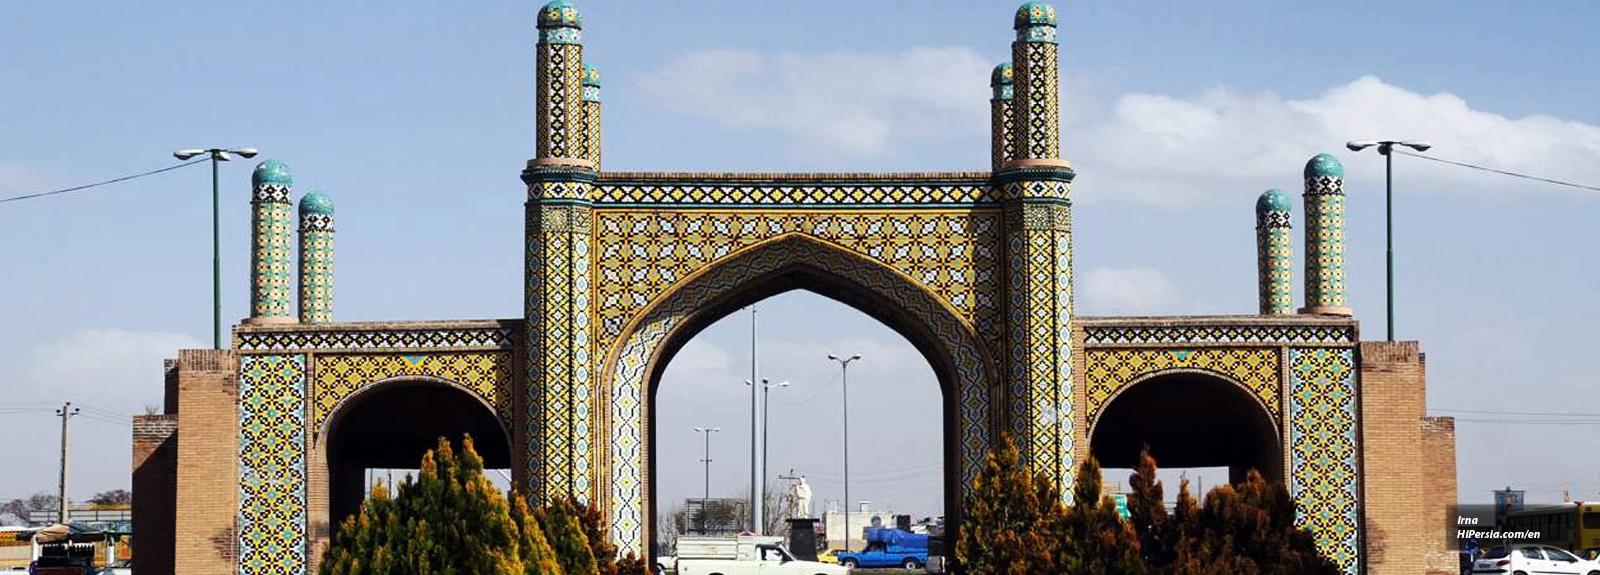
416,119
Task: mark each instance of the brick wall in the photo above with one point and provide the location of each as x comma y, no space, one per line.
1393,383
1439,473
207,449
155,490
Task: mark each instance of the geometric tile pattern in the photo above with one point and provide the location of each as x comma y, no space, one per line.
1324,199
1002,135
640,253
316,268
1219,334
921,308
973,191
1256,370
591,120
1038,127
1274,261
1039,251
485,374
272,465
560,359
560,86
1323,477
271,256
374,339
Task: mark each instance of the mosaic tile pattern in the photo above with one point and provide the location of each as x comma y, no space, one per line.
271,250
1324,204
780,194
374,339
560,359
1274,254
1323,475
316,258
560,95
591,122
1039,245
639,254
272,465
1002,128
1038,125
1257,370
485,374
627,494
1218,334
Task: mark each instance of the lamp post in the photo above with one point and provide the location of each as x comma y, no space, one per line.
756,512
1386,149
707,496
844,377
217,155
766,409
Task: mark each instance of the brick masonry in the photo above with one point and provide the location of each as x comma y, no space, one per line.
1407,480
207,471
1439,474
155,479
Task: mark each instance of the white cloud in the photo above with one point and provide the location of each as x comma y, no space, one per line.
109,369
16,179
1161,149
832,104
1148,148
1123,291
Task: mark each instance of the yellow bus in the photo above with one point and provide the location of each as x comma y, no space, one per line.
1571,526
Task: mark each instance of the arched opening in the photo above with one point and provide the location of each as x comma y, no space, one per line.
1190,420
390,425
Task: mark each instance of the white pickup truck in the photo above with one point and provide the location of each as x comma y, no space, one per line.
743,555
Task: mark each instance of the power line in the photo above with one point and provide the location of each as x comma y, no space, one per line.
1535,413
96,184
1502,172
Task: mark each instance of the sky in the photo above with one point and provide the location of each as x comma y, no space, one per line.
417,117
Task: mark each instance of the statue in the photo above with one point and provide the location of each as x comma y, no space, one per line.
801,498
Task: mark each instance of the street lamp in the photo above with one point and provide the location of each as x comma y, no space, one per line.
708,431
766,408
1385,147
844,377
217,155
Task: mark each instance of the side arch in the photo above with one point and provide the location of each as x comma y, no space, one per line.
1189,417
1270,411
966,371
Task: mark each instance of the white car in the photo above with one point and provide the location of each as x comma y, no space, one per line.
1533,560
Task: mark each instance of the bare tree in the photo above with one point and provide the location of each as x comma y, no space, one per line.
113,497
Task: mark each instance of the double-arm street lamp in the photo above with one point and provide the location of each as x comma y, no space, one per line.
1386,149
217,155
844,377
766,408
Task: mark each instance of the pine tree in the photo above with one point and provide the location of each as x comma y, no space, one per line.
1094,538
1010,518
605,554
560,523
449,520
1148,513
633,565
1248,528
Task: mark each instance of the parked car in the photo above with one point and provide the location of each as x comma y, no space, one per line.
830,556
744,555
1533,560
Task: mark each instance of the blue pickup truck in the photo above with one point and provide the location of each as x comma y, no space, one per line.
889,548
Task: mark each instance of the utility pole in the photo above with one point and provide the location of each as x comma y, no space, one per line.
707,497
844,377
756,513
66,412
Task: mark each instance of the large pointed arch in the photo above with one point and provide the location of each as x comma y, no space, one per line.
967,374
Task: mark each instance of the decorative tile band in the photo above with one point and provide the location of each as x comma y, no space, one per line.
1220,334
1323,475
780,194
374,339
272,465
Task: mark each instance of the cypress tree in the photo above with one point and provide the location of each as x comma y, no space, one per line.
1148,513
1094,538
605,554
1011,516
560,523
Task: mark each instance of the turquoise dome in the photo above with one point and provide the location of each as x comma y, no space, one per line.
560,13
271,172
1273,200
1035,14
1003,74
316,203
591,76
1324,165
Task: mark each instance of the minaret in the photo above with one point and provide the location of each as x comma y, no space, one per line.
1037,61
1034,187
271,225
556,459
1274,253
316,258
560,85
591,114
1324,201
1001,133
